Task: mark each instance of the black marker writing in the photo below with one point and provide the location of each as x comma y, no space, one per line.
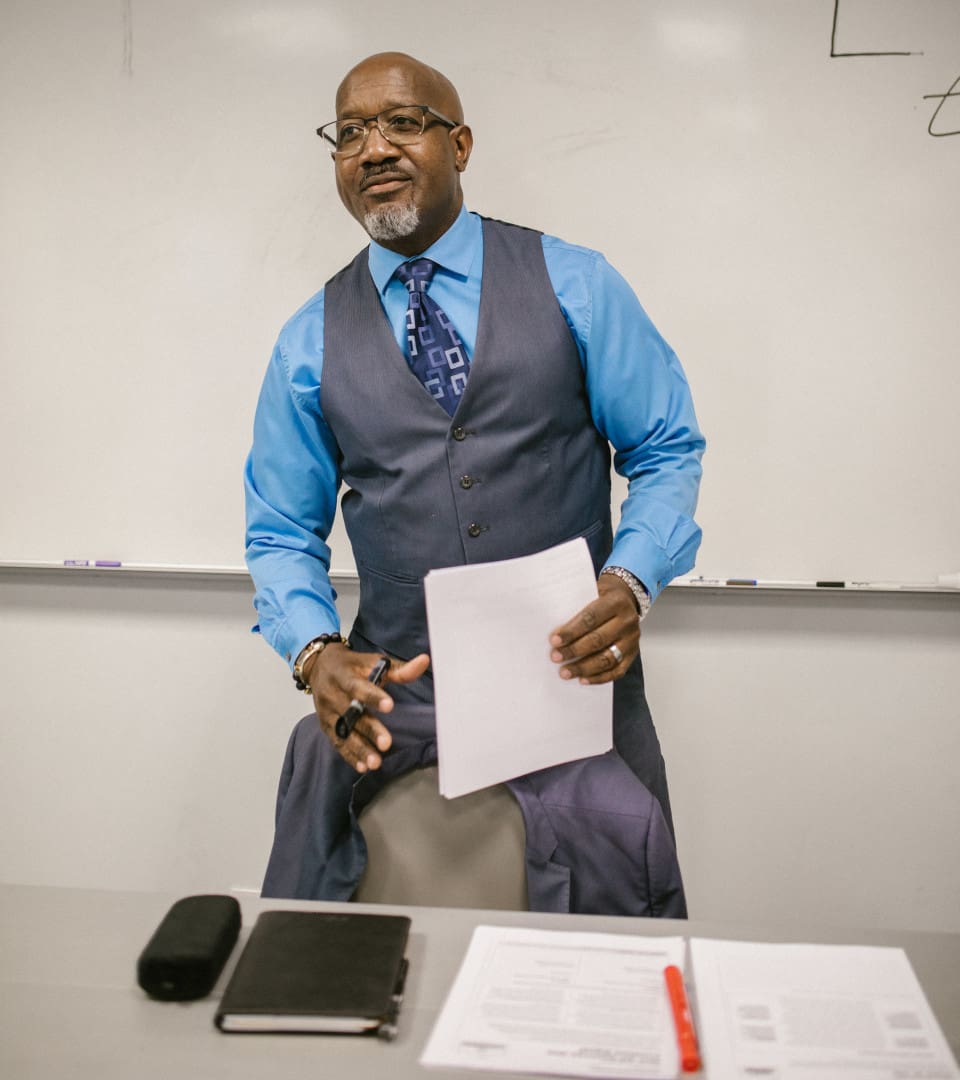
833,41
953,92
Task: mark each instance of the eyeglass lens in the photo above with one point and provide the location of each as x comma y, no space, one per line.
399,126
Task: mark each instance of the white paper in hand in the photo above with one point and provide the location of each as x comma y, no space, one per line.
502,708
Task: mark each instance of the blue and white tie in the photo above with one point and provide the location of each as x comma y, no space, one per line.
435,353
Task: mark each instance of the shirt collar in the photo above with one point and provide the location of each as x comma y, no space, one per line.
456,251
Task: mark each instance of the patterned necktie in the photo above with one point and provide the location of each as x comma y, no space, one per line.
435,353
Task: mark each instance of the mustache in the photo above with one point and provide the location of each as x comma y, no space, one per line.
374,172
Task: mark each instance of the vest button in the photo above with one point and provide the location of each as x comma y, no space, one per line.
466,482
459,434
474,529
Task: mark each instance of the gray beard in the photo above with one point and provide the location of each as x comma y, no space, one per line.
391,222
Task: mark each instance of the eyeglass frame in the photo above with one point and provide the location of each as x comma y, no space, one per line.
367,120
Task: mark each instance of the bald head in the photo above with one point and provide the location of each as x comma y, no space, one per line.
406,193
378,70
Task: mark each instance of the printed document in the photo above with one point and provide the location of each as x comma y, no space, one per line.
561,1003
502,708
799,1012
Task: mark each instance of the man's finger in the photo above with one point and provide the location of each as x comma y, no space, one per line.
407,672
584,622
363,746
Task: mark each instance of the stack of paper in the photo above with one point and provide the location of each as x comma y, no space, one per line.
502,708
560,1003
566,1003
805,1011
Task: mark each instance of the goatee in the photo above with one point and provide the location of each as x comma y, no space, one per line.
391,222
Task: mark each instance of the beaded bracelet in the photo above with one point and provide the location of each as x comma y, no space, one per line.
311,649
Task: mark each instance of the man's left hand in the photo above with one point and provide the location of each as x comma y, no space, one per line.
600,642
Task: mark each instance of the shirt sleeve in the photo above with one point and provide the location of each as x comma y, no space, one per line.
641,402
291,481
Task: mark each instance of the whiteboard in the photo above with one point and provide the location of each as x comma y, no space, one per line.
785,207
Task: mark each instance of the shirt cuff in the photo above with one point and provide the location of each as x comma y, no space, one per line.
289,636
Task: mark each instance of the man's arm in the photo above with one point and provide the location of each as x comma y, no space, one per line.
641,403
291,481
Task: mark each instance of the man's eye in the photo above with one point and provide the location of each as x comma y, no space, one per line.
403,123
349,133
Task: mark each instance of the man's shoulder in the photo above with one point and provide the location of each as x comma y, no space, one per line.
560,254
308,313
554,245
507,226
575,272
301,336
311,311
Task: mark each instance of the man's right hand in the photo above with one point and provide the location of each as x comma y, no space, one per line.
337,676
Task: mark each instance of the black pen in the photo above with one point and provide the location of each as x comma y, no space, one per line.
354,711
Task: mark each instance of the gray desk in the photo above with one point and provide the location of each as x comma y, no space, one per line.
70,1006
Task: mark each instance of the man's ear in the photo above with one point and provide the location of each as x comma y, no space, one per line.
462,139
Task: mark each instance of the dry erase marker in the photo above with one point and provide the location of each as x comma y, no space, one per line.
354,711
682,1020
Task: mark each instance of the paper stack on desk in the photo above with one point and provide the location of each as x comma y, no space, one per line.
796,1012
561,1003
568,1003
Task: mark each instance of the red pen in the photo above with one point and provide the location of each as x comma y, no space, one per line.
682,1020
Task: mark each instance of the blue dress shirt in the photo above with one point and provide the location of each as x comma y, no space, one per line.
639,401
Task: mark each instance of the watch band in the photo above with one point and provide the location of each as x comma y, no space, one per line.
635,585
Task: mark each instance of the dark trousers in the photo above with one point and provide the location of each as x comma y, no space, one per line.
598,833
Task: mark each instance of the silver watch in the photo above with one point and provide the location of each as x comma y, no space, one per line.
635,585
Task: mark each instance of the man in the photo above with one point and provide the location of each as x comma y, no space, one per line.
491,445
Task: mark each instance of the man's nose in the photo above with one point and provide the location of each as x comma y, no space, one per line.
376,147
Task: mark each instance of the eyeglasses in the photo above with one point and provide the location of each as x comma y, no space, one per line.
401,126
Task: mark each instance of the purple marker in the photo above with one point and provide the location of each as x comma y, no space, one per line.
107,563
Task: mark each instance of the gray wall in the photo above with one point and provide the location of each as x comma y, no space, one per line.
811,743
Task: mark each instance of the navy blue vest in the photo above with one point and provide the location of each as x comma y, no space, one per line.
520,466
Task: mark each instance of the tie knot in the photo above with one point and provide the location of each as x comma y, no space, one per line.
416,275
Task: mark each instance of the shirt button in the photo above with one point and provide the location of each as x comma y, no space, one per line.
459,434
466,482
474,529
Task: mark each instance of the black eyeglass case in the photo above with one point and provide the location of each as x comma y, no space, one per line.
189,948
